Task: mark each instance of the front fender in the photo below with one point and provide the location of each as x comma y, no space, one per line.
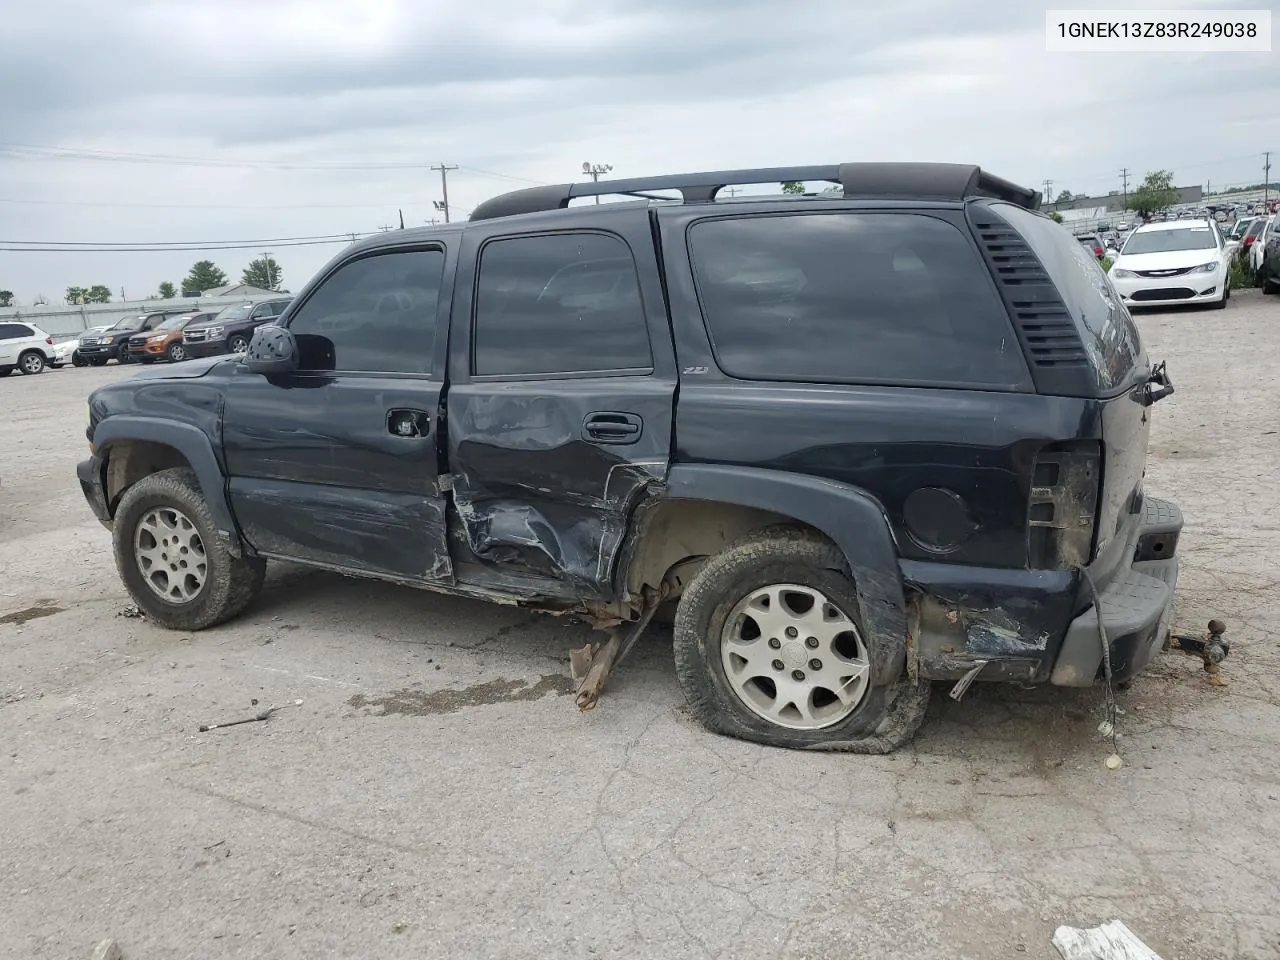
194,445
850,517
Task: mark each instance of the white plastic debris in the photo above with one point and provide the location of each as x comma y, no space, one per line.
1106,728
1114,762
1111,941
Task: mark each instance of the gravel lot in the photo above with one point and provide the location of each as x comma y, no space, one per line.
435,793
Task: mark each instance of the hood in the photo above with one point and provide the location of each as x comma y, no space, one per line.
1171,260
187,370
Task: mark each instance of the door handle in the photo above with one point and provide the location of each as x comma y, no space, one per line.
610,427
404,422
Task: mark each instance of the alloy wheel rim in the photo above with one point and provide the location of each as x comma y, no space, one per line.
170,555
794,658
31,363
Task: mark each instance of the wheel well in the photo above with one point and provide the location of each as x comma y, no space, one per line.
677,536
128,461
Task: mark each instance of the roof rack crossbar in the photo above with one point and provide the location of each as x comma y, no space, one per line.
942,181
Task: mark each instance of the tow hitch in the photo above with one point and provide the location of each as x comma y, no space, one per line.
1212,648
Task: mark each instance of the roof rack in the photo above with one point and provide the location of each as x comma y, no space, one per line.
916,181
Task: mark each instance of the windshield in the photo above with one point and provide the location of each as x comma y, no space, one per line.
173,323
130,323
1168,241
239,312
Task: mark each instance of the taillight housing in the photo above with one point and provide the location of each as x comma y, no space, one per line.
1062,507
49,341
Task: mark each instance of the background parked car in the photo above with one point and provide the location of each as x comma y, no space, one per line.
165,341
1094,244
231,329
24,347
1269,268
1181,261
110,344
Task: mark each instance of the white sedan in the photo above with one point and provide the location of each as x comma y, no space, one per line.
1179,261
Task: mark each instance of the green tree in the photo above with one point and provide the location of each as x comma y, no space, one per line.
792,186
6,298
1055,216
1156,193
1065,196
263,273
97,294
167,291
204,275
75,295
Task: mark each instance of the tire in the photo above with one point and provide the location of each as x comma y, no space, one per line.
31,362
1221,303
1270,286
237,343
123,358
77,360
170,503
99,361
886,712
175,353
5,371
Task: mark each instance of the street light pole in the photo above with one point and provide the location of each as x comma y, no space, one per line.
593,170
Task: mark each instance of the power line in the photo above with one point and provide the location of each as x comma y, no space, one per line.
217,206
346,238
163,243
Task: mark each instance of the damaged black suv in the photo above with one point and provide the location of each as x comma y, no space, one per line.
860,440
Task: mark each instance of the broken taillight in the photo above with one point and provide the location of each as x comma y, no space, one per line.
1063,504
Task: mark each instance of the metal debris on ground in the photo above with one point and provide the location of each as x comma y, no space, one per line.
204,728
131,612
1111,941
591,665
1212,648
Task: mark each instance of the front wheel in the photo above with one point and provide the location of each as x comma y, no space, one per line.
238,344
170,557
769,647
77,360
31,362
175,353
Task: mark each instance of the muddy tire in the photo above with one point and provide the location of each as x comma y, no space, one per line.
171,559
784,597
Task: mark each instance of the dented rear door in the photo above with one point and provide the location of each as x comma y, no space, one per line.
562,383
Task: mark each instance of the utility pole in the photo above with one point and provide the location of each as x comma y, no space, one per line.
1124,176
732,191
385,227
443,205
1048,191
593,170
1266,179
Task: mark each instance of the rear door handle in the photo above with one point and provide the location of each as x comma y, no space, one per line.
611,427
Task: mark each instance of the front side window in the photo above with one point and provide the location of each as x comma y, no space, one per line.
852,298
558,304
376,314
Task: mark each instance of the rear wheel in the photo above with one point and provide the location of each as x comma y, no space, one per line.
769,647
31,362
99,361
175,352
171,558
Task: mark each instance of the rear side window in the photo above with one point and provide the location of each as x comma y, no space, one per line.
1105,327
15,331
556,304
852,298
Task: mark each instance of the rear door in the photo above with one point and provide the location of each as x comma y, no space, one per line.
562,382
336,465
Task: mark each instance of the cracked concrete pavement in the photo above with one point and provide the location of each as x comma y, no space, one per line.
436,794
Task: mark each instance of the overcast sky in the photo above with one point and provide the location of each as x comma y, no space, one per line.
529,89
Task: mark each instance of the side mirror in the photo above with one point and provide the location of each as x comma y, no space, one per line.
272,351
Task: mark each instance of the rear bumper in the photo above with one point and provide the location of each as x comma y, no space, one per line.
1136,606
89,473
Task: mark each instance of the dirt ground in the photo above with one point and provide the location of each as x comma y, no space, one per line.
428,790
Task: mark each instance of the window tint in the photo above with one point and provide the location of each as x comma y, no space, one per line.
15,331
375,314
565,303
872,298
1104,324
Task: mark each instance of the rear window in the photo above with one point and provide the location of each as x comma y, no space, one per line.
1105,327
852,298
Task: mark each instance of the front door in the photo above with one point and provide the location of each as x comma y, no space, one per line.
560,402
336,464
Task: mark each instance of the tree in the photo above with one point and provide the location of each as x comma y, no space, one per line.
263,273
204,276
1065,197
97,294
1156,193
792,186
167,291
75,295
1055,216
6,298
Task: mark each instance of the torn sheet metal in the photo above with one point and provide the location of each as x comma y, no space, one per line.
1111,941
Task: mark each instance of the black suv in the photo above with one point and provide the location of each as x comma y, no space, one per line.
112,344
231,330
860,441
